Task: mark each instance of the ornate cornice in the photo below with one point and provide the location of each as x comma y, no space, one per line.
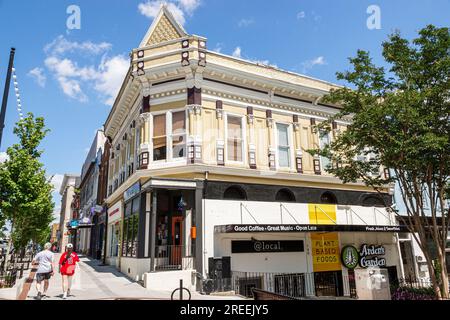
268,104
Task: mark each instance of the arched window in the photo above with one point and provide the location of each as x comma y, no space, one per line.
373,201
285,195
328,198
235,193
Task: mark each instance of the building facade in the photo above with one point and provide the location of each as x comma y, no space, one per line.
55,234
89,209
67,192
209,159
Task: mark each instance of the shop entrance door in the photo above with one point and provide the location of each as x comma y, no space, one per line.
328,283
177,241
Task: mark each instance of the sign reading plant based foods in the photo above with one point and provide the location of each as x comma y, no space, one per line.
368,256
237,228
325,252
264,246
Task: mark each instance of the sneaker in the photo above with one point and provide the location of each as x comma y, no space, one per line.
64,296
39,296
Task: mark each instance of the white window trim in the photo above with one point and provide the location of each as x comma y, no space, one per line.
290,143
169,152
244,139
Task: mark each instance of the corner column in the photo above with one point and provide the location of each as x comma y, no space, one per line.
298,144
220,144
195,125
272,150
251,138
200,239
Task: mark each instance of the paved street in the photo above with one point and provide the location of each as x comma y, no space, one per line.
93,281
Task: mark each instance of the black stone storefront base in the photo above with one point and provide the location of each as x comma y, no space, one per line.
262,192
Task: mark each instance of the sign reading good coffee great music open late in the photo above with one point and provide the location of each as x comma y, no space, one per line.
237,228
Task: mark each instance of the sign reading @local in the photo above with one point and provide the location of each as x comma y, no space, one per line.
263,246
368,256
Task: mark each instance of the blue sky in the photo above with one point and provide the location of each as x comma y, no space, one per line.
71,76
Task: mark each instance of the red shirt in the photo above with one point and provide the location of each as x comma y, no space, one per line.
68,267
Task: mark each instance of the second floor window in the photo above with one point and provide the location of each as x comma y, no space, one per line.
178,134
159,137
324,140
283,146
234,138
169,136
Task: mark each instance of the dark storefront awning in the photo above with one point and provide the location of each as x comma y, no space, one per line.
272,228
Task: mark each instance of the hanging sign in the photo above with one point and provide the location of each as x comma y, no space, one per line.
349,257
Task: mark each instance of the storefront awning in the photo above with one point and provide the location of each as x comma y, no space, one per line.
273,228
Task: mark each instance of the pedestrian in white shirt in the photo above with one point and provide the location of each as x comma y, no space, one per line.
45,269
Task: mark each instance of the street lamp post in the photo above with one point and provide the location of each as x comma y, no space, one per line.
6,92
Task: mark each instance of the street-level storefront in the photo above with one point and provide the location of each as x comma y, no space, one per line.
97,233
79,234
114,233
302,260
159,231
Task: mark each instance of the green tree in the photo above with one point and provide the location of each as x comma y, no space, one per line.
400,119
25,191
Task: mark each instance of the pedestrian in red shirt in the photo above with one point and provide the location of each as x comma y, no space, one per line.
67,264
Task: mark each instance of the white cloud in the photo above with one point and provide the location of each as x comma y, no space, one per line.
309,64
57,182
110,77
301,15
318,61
3,157
218,47
245,22
38,75
237,52
316,17
189,5
61,45
178,8
105,78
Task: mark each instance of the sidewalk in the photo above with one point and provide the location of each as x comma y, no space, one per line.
92,282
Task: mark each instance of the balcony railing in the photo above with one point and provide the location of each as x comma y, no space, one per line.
173,257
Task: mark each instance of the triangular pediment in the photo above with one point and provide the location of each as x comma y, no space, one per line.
164,28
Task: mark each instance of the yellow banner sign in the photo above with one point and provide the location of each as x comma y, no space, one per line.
325,252
322,213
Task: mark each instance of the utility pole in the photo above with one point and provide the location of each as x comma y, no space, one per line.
6,92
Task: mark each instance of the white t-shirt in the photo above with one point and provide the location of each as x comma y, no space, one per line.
45,260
